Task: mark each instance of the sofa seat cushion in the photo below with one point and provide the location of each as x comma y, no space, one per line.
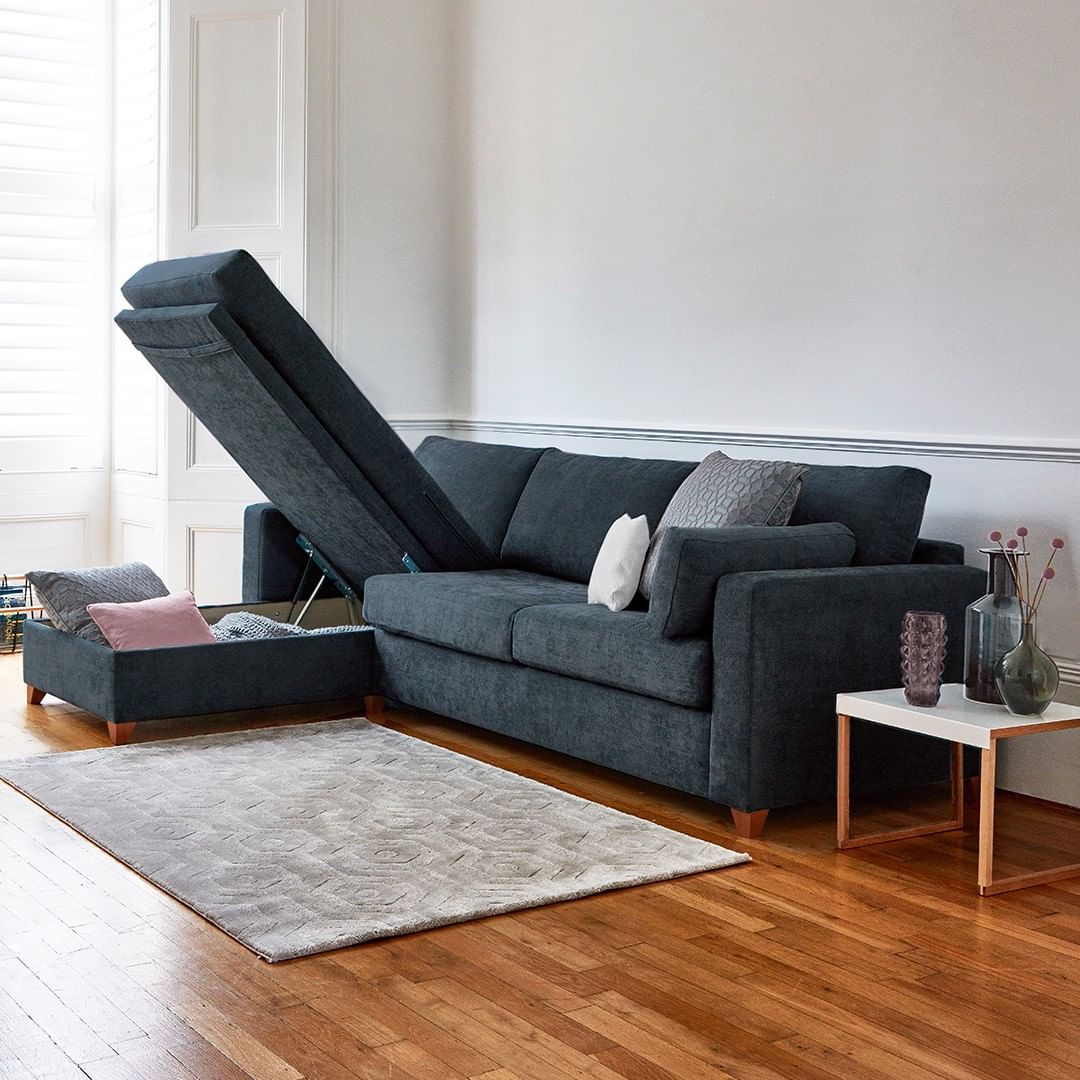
472,612
620,649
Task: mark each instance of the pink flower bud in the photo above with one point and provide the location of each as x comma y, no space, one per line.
1057,542
1048,573
995,536
1021,530
1012,543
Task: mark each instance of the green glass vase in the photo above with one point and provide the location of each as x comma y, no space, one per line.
1026,678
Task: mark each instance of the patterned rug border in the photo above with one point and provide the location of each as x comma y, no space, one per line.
728,859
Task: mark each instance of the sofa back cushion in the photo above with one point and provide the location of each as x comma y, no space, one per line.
483,480
883,507
571,500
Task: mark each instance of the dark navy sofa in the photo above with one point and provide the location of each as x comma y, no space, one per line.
723,685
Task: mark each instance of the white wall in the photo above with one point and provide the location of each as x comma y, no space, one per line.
871,202
802,230
395,275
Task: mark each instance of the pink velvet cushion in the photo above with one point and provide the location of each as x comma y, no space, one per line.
152,624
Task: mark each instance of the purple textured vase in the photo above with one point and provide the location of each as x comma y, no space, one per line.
922,656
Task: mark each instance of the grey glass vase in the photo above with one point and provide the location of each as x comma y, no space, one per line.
922,656
992,628
1026,678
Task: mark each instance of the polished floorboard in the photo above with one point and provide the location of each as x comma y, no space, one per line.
873,963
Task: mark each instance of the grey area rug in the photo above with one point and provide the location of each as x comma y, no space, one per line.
300,839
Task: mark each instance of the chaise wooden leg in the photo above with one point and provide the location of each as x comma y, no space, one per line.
749,823
373,705
120,733
34,696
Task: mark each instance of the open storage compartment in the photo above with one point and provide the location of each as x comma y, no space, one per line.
132,686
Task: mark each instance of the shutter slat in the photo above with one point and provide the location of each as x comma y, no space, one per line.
46,360
70,249
45,225
42,92
46,270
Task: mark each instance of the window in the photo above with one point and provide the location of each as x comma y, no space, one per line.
135,216
55,287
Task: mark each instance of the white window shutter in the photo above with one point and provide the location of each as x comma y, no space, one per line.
54,272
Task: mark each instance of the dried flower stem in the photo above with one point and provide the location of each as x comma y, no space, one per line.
1027,569
1029,602
1041,588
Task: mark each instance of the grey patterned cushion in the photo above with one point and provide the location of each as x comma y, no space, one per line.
64,594
725,491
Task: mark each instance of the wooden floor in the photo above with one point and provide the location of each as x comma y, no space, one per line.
807,963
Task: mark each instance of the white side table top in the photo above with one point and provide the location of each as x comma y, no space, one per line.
954,717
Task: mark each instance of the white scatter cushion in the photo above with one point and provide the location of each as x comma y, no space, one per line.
617,570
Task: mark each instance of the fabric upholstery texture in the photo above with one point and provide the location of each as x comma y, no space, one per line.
65,594
642,736
483,480
273,561
616,572
317,836
240,397
619,649
472,612
722,492
612,689
692,561
222,335
784,644
570,502
191,680
158,623
883,507
939,552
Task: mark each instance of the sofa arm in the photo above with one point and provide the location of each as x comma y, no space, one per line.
692,561
785,643
273,561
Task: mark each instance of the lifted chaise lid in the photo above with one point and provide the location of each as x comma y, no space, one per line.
245,362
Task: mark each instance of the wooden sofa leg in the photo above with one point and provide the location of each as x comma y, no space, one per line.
34,696
749,823
373,705
120,733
